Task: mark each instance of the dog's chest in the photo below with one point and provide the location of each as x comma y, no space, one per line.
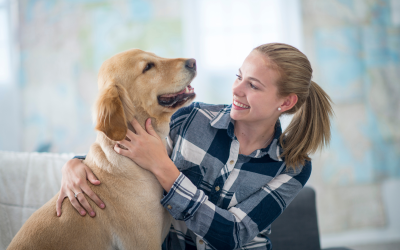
117,243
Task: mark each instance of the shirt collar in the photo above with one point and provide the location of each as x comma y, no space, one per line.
223,120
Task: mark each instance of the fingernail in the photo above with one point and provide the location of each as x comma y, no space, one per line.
82,212
92,213
58,214
102,205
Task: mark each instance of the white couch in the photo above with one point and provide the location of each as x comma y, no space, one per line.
27,181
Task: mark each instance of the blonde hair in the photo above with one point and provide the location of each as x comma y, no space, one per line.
309,129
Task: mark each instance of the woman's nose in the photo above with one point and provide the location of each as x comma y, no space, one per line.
238,89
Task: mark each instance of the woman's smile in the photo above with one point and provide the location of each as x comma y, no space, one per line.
239,106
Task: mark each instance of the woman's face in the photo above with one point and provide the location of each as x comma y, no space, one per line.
254,91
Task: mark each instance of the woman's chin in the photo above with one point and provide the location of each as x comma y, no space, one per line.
236,115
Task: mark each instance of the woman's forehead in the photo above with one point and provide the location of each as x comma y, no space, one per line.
259,66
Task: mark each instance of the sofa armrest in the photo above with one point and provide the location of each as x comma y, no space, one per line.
27,181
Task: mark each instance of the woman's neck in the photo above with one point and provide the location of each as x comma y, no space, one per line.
252,136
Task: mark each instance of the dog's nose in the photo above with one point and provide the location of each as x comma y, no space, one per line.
191,64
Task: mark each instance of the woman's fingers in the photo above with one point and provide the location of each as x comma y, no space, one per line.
121,151
150,129
91,177
82,200
75,203
88,191
125,144
60,199
137,127
75,174
130,135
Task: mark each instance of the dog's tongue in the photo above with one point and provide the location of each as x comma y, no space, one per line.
175,94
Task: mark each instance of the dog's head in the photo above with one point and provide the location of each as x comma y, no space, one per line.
138,84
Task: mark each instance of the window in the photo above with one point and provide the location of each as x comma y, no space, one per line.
220,34
5,67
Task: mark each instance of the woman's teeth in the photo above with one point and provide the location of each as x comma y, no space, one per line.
240,105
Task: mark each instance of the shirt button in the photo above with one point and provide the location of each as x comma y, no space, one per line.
217,188
231,162
169,207
201,241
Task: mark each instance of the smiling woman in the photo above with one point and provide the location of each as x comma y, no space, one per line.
231,171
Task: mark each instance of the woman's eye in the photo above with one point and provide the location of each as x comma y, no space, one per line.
239,77
148,67
252,86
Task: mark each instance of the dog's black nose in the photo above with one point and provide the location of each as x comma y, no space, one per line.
191,64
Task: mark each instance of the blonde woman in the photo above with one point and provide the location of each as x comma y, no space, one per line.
232,171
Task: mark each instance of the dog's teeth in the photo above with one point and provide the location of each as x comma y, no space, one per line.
187,90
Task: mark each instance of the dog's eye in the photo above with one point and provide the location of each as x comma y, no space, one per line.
148,67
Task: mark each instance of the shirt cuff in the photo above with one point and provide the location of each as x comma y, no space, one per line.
81,157
183,199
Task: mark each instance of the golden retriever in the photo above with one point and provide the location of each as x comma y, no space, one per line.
132,84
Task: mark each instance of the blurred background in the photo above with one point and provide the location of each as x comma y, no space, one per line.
51,51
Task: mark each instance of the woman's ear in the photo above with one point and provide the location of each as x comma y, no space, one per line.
110,115
289,102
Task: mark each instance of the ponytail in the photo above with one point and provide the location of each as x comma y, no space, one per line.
309,129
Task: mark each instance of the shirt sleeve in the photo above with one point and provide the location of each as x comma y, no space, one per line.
238,225
81,157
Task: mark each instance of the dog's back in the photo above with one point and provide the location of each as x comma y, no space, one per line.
44,230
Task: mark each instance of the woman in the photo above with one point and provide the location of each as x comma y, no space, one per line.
232,171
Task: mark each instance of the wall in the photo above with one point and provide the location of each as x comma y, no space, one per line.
63,44
354,47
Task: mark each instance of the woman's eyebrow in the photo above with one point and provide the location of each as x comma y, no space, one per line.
252,78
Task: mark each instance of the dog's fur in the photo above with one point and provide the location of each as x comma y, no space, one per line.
134,217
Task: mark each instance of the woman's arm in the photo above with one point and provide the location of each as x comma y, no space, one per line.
240,223
221,228
74,176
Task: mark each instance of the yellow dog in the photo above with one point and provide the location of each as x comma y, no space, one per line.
132,84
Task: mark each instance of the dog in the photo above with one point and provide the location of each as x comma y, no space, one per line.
132,84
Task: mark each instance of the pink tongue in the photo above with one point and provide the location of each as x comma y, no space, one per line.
171,95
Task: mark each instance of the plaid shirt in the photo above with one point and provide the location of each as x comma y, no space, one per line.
223,199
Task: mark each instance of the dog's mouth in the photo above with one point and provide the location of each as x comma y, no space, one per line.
176,99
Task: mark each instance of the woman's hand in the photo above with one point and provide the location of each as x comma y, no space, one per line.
148,151
145,148
74,176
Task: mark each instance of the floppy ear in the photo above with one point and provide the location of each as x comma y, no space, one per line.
110,115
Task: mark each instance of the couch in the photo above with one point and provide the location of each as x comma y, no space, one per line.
28,180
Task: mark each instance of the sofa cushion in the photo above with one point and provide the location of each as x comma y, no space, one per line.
297,227
27,181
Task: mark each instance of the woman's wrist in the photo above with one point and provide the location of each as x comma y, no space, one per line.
166,173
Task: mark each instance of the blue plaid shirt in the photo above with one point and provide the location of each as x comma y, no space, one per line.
223,199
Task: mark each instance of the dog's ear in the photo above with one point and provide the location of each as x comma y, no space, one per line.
110,111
